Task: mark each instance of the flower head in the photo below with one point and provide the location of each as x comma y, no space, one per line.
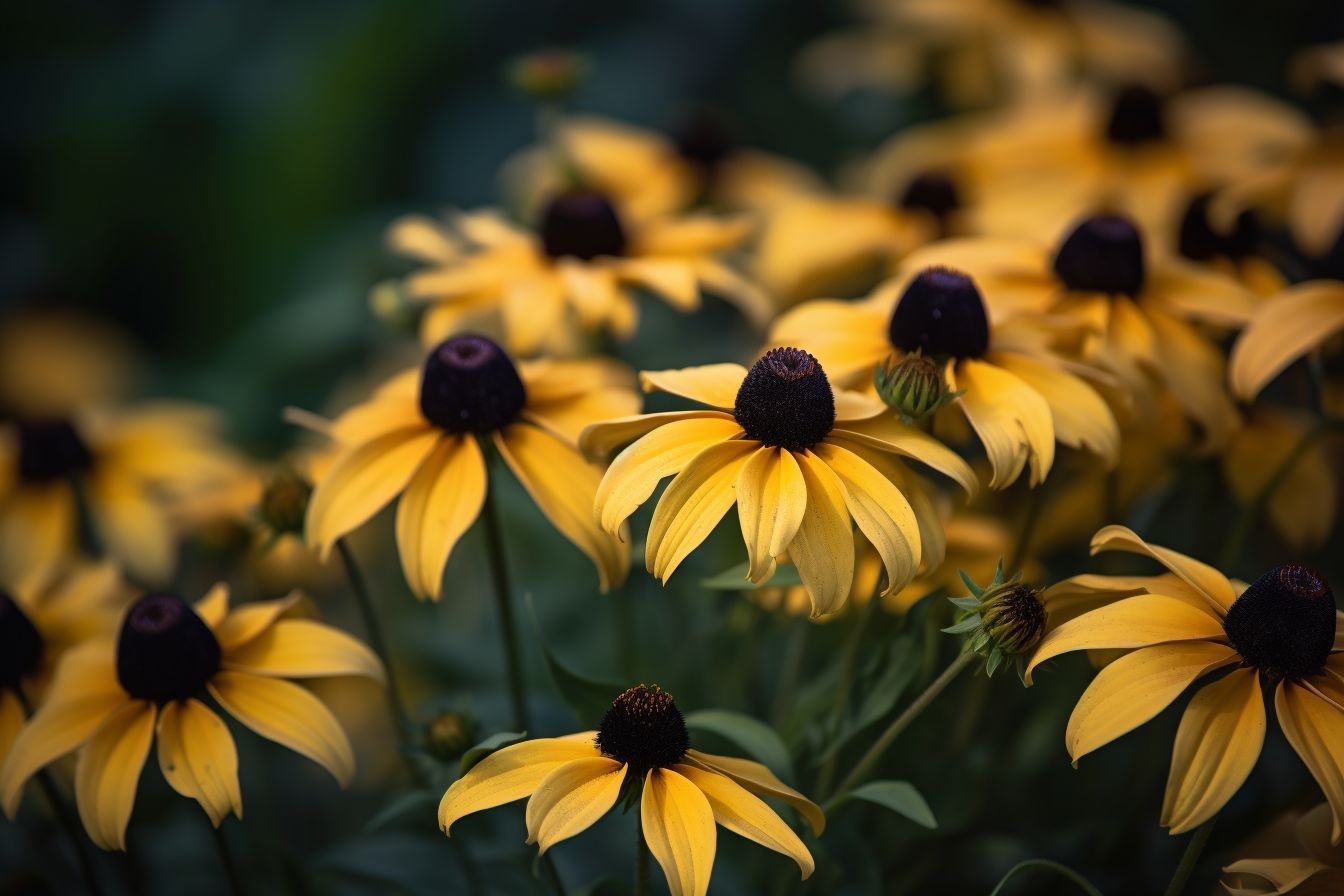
1004,620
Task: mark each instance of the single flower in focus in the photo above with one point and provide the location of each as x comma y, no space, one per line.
1303,863
1017,395
641,751
800,461
1297,321
423,436
1282,630
109,699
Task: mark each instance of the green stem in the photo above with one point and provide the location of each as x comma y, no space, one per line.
226,860
641,860
553,873
1045,865
374,630
499,573
848,666
1194,848
898,725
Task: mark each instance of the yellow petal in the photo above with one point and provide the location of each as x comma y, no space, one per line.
1217,744
198,758
1138,621
848,338
1283,330
745,815
107,773
362,480
303,648
679,829
713,384
637,470
1198,292
421,238
39,526
1315,728
758,779
511,774
250,620
289,715
1012,420
564,487
823,549
568,800
882,512
1194,371
718,279
593,291
1082,418
1302,504
11,722
601,439
214,607
1135,688
1200,576
387,412
132,526
886,433
442,501
672,279
533,309
1283,876
771,499
693,504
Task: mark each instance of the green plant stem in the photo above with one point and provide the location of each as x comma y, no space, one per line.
226,860
641,859
1194,848
499,573
844,684
898,725
1063,871
553,874
374,629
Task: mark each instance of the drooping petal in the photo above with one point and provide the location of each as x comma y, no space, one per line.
823,548
1195,371
564,486
1082,418
107,773
442,501
771,499
1011,419
1283,330
713,384
1315,728
747,816
693,504
288,714
1217,744
601,439
569,799
881,511
886,433
758,779
38,527
1200,576
679,829
303,648
511,774
1135,688
198,758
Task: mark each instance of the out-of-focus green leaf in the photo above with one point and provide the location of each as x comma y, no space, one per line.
735,579
486,747
900,797
588,698
755,737
418,802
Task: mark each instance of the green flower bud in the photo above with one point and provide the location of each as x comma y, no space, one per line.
450,734
1005,620
284,502
548,74
914,386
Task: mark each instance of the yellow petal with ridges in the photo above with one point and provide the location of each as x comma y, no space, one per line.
442,501
107,773
214,607
1011,419
758,779
1082,419
198,758
304,648
678,826
693,504
1200,576
888,434
771,500
599,440
713,384
881,511
747,816
823,548
571,798
511,773
1315,728
250,620
1284,329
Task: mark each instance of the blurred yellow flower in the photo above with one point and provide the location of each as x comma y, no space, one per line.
53,363
1286,327
1304,863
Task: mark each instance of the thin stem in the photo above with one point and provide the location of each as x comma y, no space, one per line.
499,573
641,859
375,632
1194,848
1063,871
848,666
898,725
226,860
553,873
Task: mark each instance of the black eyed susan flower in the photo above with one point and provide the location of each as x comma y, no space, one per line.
420,436
642,750
1282,629
111,699
798,459
1295,858
1017,395
1283,329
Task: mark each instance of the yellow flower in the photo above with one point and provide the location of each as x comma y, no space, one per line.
1301,508
641,749
1305,864
1283,329
797,459
53,363
119,465
420,436
579,268
1283,628
1018,396
1133,313
109,699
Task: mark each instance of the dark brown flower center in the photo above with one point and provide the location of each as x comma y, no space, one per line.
1137,117
284,503
942,313
20,643
1102,254
582,224
1199,241
644,729
165,651
786,400
469,384
934,192
1284,623
50,450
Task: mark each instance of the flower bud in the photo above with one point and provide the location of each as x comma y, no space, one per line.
914,387
1004,621
450,734
284,503
548,74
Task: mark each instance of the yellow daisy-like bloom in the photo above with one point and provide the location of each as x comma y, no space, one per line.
579,268
798,459
420,436
54,362
109,699
1285,328
119,465
1134,316
1306,863
1282,629
642,750
1018,396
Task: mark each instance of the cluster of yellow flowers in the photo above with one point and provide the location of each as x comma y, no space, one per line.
1052,301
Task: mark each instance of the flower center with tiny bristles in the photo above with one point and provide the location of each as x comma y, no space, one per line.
51,450
644,729
786,401
934,192
941,313
20,643
1015,618
582,224
1136,117
1102,254
470,385
165,651
1199,241
1284,623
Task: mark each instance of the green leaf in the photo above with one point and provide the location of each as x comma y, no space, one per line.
588,698
755,737
1063,871
486,747
735,579
403,806
900,797
976,590
969,624
965,603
